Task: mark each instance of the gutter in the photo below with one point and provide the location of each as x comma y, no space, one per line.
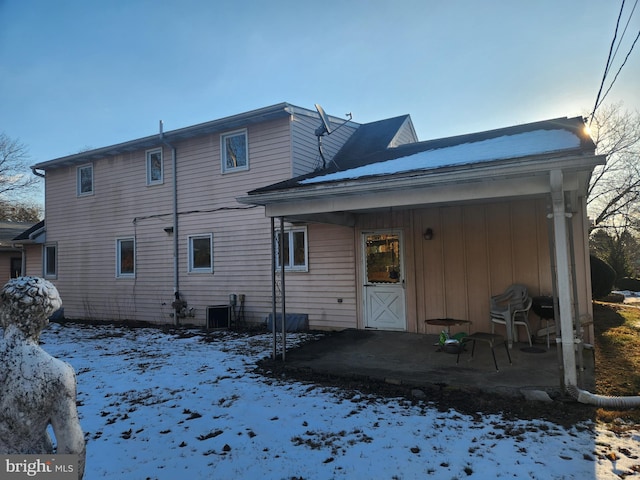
520,167
37,173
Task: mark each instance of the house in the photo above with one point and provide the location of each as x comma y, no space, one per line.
150,229
379,230
10,253
429,230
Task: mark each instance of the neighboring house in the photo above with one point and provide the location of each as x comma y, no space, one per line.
151,228
11,257
434,229
30,242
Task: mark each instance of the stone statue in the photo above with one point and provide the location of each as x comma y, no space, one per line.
35,389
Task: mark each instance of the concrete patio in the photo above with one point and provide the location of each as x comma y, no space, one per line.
416,360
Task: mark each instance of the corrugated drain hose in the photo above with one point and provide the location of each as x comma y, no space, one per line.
589,398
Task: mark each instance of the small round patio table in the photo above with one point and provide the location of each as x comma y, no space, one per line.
447,322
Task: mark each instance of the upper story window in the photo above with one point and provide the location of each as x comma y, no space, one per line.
125,257
85,180
235,151
201,253
155,170
294,249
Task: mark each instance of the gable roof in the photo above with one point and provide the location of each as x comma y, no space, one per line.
272,112
30,233
373,137
564,136
10,230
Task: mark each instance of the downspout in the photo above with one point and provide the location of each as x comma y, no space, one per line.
273,287
174,167
605,401
24,250
283,295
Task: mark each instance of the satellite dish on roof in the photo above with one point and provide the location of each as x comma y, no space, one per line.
326,126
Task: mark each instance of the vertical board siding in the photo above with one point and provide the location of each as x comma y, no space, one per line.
477,271
432,268
476,252
469,258
500,247
454,261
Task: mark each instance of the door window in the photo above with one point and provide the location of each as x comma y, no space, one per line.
383,258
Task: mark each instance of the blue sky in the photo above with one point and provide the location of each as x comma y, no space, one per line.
78,74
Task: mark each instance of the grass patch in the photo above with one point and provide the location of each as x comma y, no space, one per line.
617,345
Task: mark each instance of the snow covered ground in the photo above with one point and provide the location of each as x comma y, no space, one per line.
159,406
629,297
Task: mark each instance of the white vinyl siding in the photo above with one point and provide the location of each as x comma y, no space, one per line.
305,143
85,232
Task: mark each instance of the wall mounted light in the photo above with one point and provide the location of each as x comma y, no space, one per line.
168,230
428,234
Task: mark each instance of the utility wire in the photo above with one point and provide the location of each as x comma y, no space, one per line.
608,65
624,31
618,72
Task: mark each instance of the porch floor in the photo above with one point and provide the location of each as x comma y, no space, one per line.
414,359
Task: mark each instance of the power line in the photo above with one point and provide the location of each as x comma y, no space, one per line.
609,57
624,31
618,72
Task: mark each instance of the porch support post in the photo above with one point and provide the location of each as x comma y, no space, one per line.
283,296
273,286
565,288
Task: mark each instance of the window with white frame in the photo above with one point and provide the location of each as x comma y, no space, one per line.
201,253
155,172
295,249
50,260
85,180
125,257
234,151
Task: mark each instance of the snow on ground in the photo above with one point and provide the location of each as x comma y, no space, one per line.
155,405
629,297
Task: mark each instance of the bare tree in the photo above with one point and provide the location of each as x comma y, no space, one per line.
20,212
614,191
16,180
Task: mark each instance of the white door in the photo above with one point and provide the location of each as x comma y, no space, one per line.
383,281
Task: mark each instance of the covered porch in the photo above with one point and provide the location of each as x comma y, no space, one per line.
461,219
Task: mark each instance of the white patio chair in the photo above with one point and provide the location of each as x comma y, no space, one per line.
511,309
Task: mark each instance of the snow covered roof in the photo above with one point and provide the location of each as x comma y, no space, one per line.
508,146
520,142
